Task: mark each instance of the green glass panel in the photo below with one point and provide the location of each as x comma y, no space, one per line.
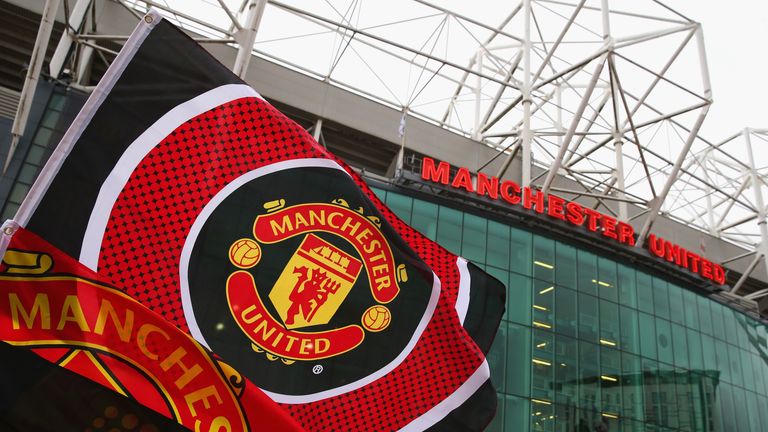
497,424
587,273
503,277
57,102
609,324
644,293
518,360
708,352
718,328
10,210
380,193
651,396
763,402
27,173
676,313
740,407
521,247
543,307
519,303
424,218
607,280
748,375
36,155
543,366
627,286
498,245
400,205
734,360
630,333
723,363
49,119
542,416
705,316
497,358
566,370
664,341
543,258
680,346
691,308
753,412
660,298
727,412
589,318
565,265
760,369
473,238
632,386
449,229
589,375
610,380
566,316
43,138
517,414
18,193
695,357
647,336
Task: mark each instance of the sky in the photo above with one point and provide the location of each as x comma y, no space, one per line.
736,35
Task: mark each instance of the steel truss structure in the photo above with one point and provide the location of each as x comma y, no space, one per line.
609,94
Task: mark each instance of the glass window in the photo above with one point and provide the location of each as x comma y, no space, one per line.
723,365
627,286
609,324
565,261
607,279
746,370
543,258
695,357
517,414
589,318
660,298
380,193
503,277
497,356
690,306
630,336
705,317
36,154
519,302
717,321
473,238
680,346
449,229
543,305
589,371
676,313
543,366
400,205
424,218
43,138
708,349
519,360
566,316
498,245
652,398
647,336
632,386
542,416
664,341
566,370
610,380
644,293
587,273
497,424
520,251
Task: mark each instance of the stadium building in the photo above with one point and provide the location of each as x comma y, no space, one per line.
542,142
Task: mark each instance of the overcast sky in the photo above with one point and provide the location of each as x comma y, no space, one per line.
736,38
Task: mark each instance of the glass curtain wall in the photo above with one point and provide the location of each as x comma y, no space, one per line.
589,344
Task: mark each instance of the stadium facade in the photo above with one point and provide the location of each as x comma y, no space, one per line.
599,333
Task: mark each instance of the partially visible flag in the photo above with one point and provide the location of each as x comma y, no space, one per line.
266,248
141,370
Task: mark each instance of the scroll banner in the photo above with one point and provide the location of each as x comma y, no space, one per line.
53,305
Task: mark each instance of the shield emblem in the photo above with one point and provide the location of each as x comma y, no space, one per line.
314,283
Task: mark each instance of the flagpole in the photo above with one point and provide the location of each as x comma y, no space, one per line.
59,155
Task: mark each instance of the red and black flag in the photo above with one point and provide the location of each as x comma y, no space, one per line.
112,363
183,186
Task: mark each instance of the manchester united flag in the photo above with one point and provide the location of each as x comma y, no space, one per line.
183,186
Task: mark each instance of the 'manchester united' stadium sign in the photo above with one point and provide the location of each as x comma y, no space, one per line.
568,211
